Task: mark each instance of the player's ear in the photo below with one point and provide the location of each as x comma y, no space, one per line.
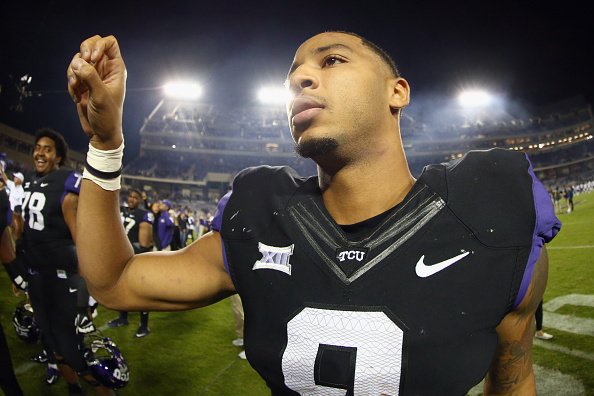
399,91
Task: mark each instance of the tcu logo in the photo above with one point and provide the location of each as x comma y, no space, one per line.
350,255
122,375
275,258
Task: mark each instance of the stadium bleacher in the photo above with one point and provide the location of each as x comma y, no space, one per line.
191,150
185,141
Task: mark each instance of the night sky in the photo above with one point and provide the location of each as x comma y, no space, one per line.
532,53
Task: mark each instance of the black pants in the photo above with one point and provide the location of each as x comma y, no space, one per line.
538,317
8,381
55,304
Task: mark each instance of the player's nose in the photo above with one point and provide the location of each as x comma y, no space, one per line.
302,78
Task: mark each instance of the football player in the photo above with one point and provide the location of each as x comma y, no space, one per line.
8,380
138,224
58,293
15,188
361,280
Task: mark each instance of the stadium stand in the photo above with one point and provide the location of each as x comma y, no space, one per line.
190,150
201,146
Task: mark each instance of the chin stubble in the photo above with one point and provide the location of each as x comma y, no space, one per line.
312,148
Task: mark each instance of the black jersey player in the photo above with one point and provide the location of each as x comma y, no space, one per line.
361,280
138,224
58,293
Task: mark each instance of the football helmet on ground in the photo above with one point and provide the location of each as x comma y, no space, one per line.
24,323
105,361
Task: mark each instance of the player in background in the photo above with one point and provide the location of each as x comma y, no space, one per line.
166,225
58,293
15,190
138,224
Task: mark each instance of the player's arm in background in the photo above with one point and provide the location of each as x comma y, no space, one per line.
188,278
145,235
69,209
511,369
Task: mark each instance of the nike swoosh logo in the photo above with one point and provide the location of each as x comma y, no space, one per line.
44,184
71,290
424,271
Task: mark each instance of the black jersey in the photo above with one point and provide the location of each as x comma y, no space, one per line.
45,231
409,307
131,220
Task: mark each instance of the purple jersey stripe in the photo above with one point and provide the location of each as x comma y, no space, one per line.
71,185
217,222
547,225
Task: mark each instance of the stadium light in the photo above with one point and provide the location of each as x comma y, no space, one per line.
273,95
186,90
475,98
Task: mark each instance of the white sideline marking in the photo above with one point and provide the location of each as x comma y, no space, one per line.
558,348
570,247
549,382
569,323
584,300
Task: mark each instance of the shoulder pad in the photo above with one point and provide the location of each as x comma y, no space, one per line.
491,192
258,194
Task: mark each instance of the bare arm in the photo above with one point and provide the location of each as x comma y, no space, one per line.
69,209
3,175
17,225
145,234
7,247
511,370
192,277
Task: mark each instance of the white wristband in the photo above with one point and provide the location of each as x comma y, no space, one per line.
104,167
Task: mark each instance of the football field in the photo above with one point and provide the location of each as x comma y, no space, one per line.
190,353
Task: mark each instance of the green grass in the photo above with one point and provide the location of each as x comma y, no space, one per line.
187,353
571,271
190,353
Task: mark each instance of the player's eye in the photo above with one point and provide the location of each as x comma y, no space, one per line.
333,60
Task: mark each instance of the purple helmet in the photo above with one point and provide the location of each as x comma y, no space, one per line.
105,361
24,323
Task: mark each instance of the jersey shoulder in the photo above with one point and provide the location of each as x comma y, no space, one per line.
491,192
67,179
144,215
257,195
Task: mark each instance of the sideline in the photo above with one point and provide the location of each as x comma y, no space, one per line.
549,382
570,247
558,348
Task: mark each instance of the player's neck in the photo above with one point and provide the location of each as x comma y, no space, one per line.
361,191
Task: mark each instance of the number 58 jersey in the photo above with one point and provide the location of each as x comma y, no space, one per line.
42,209
410,306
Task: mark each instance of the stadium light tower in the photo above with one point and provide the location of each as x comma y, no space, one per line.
475,98
273,95
185,90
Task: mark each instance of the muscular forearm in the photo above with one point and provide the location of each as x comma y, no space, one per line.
104,250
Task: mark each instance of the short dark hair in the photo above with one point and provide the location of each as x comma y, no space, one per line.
60,143
135,190
384,56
